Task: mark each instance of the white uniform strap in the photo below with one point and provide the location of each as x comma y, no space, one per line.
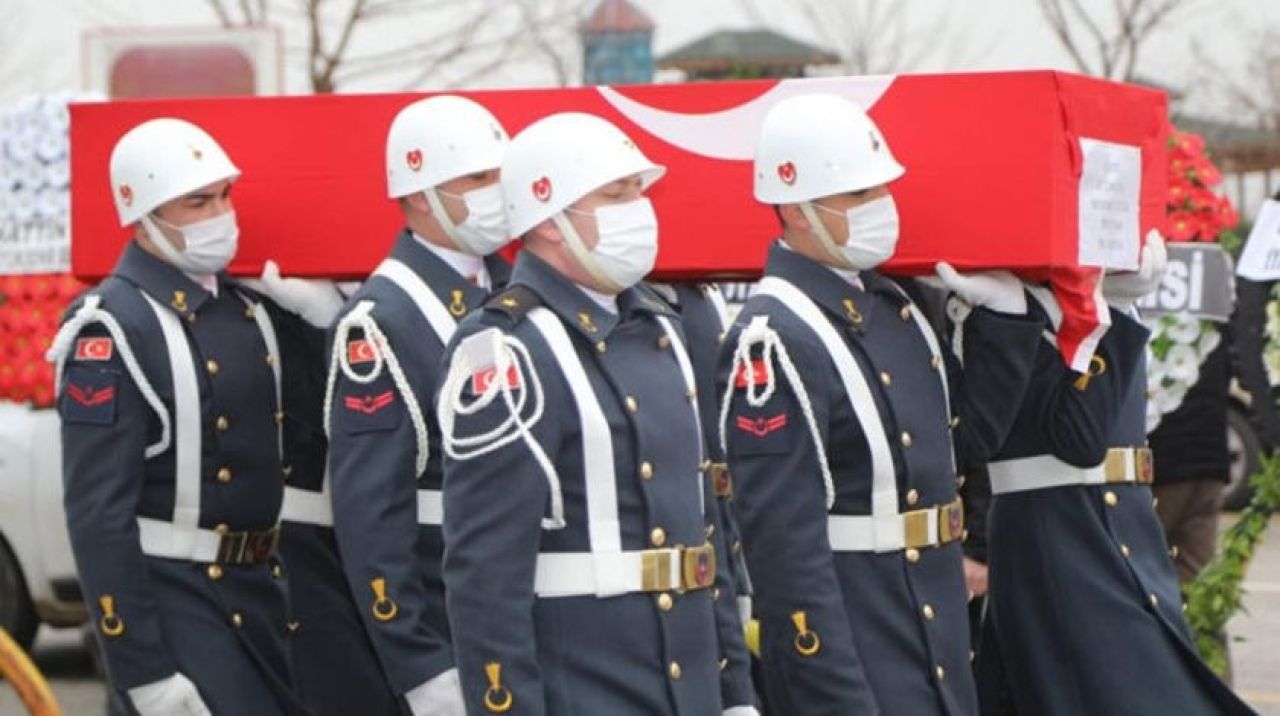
1049,303
428,303
186,410
603,527
884,489
92,312
716,296
691,390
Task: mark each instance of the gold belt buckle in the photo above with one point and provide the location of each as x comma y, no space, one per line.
951,521
699,566
231,547
915,529
656,573
1113,468
721,479
1144,466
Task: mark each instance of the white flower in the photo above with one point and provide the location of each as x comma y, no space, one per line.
1184,364
23,208
1271,358
1153,416
1209,341
31,175
1168,399
58,174
1184,328
1157,371
52,145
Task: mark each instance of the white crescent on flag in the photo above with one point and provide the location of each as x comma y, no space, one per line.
731,133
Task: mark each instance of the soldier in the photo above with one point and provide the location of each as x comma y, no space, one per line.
175,383
577,569
1084,613
839,431
442,161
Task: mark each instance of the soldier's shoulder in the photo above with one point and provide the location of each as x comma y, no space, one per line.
506,309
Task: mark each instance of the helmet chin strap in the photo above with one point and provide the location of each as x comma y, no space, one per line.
446,223
828,244
573,240
160,240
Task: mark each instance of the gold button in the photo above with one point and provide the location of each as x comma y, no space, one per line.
885,377
658,537
222,423
1173,552
191,318
224,475
211,365
664,342
214,571
939,672
927,611
736,547
710,530
691,394
1124,549
674,670
286,470
271,359
955,422
723,663
250,313
720,338
913,555
292,626
972,655
646,470
912,496
222,529
632,405
1155,601
1155,502
906,439
665,602
278,417
715,593
276,571
237,619
1110,498
959,481
905,313
935,362
601,347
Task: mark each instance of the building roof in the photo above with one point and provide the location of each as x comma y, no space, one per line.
616,16
752,47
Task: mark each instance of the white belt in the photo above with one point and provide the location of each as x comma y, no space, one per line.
307,507
1122,465
927,527
573,574
164,539
316,508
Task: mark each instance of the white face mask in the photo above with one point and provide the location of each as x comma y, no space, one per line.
873,233
628,245
484,231
211,243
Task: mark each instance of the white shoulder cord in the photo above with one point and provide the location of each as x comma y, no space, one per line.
92,312
491,349
759,333
359,317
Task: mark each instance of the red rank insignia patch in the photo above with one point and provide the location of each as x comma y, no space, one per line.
759,374
360,351
369,404
94,349
481,381
88,396
762,426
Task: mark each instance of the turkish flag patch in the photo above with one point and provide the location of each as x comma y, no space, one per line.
759,374
360,351
481,381
99,349
89,396
761,426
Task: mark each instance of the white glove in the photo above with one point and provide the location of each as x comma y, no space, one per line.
441,695
997,290
741,711
316,301
173,696
1122,290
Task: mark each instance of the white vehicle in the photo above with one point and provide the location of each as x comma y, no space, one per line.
37,572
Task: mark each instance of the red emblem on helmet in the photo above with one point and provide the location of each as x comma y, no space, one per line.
126,194
787,173
414,159
542,189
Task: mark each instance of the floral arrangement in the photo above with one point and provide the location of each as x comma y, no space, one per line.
35,189
1179,343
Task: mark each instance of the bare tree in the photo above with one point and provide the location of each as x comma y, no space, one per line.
1108,44
870,37
1253,95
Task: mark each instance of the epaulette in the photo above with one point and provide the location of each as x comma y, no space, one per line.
515,301
652,300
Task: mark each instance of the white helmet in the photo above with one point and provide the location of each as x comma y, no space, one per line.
560,159
160,160
818,145
440,138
